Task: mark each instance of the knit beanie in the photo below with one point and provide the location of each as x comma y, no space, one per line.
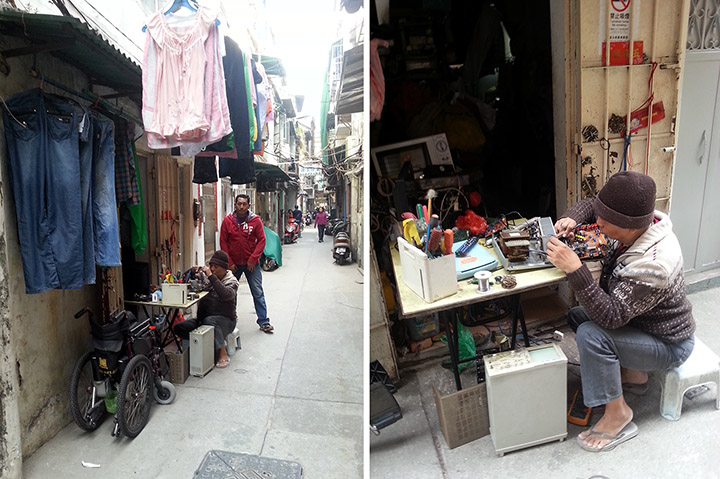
220,258
627,200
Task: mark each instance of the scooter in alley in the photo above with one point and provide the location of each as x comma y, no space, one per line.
341,248
292,231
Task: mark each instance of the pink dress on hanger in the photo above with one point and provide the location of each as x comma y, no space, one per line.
178,111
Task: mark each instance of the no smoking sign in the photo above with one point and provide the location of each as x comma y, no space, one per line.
620,5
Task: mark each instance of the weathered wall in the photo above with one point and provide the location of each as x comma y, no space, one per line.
45,337
10,445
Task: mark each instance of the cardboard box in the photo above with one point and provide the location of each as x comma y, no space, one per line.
431,279
463,415
174,293
179,365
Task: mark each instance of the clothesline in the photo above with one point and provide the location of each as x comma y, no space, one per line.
86,96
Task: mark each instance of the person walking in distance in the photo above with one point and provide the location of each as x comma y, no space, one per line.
320,223
242,237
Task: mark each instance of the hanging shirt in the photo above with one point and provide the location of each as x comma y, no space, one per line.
184,100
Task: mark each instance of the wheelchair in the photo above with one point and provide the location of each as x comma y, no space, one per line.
122,373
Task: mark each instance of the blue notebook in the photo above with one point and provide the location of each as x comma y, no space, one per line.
477,259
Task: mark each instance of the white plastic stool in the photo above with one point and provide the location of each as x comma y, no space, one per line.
702,367
233,342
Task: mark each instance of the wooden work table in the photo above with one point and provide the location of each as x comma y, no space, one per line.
411,305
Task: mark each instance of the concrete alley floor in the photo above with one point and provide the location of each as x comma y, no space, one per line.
295,395
688,448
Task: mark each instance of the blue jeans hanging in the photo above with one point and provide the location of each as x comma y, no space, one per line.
44,162
106,232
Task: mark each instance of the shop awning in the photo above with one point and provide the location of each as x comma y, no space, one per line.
75,43
272,65
269,171
350,93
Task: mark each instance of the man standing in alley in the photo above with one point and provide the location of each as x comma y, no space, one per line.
242,237
297,214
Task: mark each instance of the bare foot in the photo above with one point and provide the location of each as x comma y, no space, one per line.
632,376
617,415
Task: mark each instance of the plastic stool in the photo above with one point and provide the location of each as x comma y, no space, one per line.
233,342
702,367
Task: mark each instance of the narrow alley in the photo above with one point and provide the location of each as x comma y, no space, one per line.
295,395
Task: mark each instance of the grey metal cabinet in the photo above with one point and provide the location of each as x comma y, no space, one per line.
695,203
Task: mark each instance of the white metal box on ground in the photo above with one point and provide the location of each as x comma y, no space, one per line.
174,293
527,397
202,350
431,279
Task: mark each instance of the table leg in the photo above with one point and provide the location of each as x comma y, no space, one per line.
514,306
452,341
517,315
523,326
170,332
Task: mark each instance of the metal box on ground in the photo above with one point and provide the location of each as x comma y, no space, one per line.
527,397
463,415
174,293
202,350
179,364
431,279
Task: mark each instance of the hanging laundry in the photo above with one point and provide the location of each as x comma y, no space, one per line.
138,230
86,151
126,186
204,170
251,93
238,97
377,79
106,230
239,171
61,164
184,98
261,107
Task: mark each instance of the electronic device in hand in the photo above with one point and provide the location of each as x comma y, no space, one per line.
578,412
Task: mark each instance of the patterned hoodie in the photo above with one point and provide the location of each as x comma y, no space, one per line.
243,241
641,286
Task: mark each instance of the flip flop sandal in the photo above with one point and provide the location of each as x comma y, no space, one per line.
627,433
636,389
223,363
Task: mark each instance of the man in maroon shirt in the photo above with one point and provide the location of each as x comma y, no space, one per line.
242,237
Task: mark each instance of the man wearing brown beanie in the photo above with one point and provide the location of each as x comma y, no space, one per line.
638,318
217,308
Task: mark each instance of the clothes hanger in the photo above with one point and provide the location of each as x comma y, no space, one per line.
178,4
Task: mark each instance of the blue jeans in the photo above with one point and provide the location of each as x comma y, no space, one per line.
254,279
86,165
43,153
106,232
604,351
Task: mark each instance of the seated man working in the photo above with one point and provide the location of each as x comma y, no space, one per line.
637,319
217,308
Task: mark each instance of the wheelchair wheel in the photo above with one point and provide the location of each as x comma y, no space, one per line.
135,395
87,416
165,393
